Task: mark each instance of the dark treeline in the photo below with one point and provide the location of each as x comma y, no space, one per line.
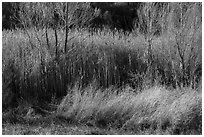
9,13
126,16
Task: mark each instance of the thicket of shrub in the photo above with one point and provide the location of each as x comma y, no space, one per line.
102,58
41,63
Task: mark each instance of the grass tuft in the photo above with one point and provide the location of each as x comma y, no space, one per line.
175,112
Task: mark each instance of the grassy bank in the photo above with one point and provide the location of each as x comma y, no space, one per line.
116,111
155,109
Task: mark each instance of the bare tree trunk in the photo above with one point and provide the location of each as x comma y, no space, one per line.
56,43
67,29
47,39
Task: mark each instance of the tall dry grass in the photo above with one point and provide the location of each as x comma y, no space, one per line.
155,110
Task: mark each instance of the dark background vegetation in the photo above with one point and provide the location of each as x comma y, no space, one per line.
52,50
121,15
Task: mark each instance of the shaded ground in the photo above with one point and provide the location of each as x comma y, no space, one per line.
154,111
50,126
58,126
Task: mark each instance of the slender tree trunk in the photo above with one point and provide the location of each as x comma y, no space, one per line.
47,39
56,43
67,29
